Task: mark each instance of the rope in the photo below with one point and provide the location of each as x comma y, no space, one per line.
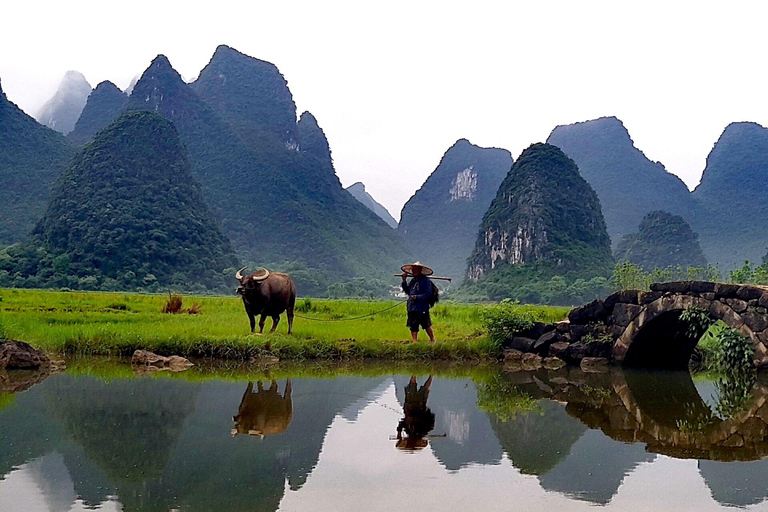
350,319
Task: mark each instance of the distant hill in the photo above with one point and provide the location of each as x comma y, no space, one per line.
545,221
63,109
732,193
104,105
441,220
628,184
358,192
276,202
31,158
127,214
664,240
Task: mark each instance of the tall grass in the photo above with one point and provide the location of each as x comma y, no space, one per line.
118,323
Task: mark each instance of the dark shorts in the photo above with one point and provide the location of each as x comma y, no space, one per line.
418,318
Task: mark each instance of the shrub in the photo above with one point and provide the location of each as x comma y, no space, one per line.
504,320
173,304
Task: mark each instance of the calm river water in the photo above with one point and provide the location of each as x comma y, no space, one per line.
469,439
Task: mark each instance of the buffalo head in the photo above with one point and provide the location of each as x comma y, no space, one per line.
251,281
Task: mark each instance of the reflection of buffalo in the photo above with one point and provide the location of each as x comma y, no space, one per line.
265,412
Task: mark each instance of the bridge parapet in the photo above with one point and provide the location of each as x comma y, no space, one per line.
610,328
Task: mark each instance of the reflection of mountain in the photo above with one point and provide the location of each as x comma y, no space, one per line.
469,438
51,476
736,483
537,441
595,468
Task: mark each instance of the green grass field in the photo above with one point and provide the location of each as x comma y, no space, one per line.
116,324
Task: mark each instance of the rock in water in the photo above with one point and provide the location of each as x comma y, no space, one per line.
358,192
664,240
733,192
20,355
63,109
31,158
128,213
441,220
172,363
104,105
628,184
545,220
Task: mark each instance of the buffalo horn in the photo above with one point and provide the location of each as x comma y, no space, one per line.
262,276
239,274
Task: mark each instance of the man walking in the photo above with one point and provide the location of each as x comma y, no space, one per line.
419,291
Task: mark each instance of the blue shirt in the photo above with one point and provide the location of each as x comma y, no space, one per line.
419,291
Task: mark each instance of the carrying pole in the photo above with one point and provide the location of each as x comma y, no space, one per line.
431,277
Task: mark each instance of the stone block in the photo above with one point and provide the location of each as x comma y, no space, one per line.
726,290
754,320
749,292
564,326
579,331
708,295
513,356
619,351
20,355
521,343
538,329
621,297
738,305
559,349
542,344
702,287
531,362
552,363
763,300
599,350
672,287
761,355
593,312
648,297
594,365
625,313
576,352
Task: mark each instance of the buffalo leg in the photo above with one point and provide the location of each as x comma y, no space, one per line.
261,323
289,314
252,319
275,321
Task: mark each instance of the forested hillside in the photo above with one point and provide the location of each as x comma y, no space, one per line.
104,105
126,214
31,158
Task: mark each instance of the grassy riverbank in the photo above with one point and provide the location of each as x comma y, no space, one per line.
119,323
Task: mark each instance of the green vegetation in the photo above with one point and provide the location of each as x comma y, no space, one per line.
627,276
31,158
441,219
118,324
664,241
749,274
545,222
126,215
498,396
504,320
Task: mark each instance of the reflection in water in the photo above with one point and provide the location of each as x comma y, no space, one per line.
419,420
160,444
264,413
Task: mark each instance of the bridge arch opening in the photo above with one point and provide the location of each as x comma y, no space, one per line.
661,343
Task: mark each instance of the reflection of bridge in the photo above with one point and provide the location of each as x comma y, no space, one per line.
645,327
661,409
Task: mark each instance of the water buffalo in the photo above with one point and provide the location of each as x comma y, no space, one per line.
267,294
265,412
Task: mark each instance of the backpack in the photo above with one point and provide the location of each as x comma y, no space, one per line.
435,297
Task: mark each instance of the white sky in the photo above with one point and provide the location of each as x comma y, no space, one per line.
393,84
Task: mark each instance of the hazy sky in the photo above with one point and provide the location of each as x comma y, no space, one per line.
393,84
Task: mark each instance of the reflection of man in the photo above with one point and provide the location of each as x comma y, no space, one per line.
265,412
419,420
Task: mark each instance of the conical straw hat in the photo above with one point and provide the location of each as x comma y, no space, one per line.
425,270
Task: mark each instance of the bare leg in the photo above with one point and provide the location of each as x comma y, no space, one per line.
428,384
414,335
275,321
431,334
261,323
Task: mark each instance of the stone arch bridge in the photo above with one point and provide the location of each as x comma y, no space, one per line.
643,329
